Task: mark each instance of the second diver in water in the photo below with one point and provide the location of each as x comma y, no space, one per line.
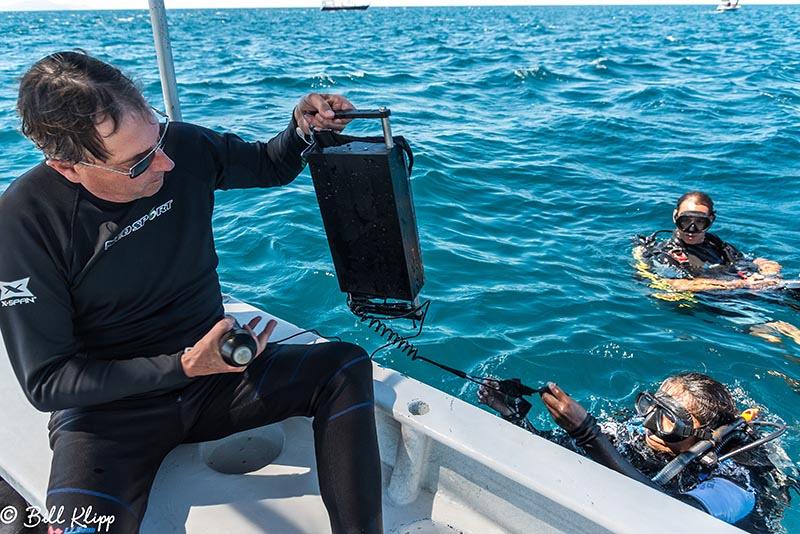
694,259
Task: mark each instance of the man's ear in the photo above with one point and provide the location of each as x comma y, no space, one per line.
674,215
65,168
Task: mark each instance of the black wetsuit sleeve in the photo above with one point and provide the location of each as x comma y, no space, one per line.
38,331
239,164
599,448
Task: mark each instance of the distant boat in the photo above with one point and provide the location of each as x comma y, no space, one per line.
344,5
728,5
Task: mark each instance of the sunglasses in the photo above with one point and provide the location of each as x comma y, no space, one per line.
143,164
694,221
666,418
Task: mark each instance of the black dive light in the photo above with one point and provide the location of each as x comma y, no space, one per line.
237,346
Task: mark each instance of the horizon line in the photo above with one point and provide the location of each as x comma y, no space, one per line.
50,5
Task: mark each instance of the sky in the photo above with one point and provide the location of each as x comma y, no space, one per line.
15,5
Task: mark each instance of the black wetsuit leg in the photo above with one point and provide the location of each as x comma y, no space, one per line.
331,382
107,457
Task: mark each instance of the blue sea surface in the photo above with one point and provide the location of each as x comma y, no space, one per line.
545,139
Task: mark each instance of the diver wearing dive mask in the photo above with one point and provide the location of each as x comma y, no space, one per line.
693,259
693,216
689,410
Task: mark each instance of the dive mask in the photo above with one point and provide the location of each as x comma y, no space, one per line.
666,418
694,222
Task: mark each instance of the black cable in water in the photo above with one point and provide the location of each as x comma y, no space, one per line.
509,387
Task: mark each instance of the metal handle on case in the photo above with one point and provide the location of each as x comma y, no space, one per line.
381,113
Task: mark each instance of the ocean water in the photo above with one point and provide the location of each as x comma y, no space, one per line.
545,139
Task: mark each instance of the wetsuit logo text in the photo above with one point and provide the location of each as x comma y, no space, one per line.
139,223
16,292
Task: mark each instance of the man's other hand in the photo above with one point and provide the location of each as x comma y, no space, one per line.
204,358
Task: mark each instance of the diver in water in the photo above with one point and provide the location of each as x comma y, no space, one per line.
667,446
693,259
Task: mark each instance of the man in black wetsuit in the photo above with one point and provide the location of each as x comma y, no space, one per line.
693,259
111,308
746,490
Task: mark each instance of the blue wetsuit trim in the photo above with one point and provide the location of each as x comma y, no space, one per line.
95,494
266,370
345,366
350,409
300,363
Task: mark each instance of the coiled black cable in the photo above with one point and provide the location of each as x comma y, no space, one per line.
378,324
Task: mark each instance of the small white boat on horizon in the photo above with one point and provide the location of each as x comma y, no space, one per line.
342,5
727,5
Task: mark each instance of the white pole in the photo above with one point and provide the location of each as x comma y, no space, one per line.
158,20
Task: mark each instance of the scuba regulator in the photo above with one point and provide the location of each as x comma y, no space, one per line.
709,451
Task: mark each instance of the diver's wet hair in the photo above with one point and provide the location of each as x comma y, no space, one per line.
64,96
699,198
712,403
